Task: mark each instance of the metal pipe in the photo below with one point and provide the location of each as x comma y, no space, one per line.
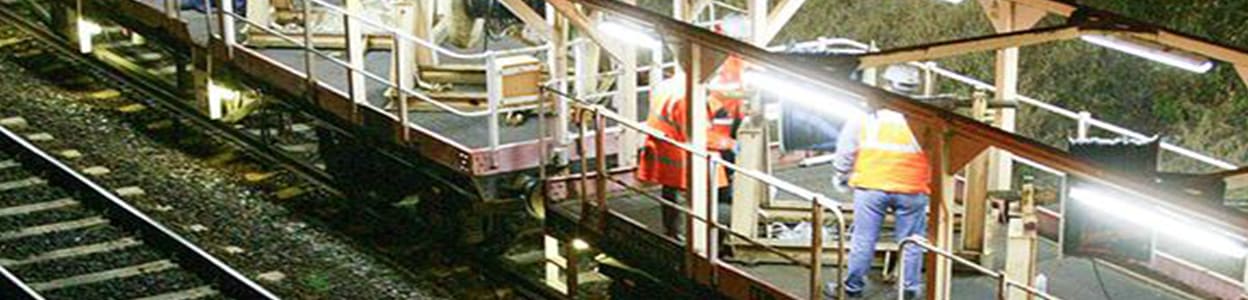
919,241
600,161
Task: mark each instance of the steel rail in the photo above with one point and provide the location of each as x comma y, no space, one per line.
229,280
12,287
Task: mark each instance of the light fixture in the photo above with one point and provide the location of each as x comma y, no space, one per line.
87,30
629,34
1163,221
579,245
1153,52
840,103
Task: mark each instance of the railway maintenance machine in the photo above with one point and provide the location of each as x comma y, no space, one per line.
513,128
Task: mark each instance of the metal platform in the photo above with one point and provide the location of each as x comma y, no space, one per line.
1068,277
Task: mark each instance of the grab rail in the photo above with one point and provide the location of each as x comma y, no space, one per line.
819,202
1003,282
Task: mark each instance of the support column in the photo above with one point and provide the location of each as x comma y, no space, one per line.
1021,251
1006,16
626,101
940,218
975,229
696,125
423,26
558,60
355,54
260,12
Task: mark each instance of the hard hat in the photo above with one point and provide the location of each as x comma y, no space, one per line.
734,26
902,79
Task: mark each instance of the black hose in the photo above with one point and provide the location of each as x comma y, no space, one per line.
1097,271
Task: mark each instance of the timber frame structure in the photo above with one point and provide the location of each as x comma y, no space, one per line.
953,141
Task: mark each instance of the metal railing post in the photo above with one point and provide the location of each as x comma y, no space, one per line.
308,64
404,77
354,40
840,253
227,26
1003,286
1081,132
583,151
494,91
173,9
712,215
816,249
600,163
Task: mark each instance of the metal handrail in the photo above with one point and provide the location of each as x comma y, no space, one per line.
1004,283
819,201
426,44
1032,101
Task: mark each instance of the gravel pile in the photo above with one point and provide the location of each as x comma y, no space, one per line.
209,203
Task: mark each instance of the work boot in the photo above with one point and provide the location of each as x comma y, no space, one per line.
911,295
829,292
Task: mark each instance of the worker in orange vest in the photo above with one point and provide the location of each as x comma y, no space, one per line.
663,163
879,157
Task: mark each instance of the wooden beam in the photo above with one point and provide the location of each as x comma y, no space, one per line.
1195,45
976,44
779,16
919,112
1055,7
530,17
585,25
1242,70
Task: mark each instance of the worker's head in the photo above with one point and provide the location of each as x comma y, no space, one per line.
902,79
734,26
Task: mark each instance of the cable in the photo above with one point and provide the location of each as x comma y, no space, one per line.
1097,272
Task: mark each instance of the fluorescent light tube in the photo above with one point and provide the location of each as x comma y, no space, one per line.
629,34
843,104
1163,221
1153,52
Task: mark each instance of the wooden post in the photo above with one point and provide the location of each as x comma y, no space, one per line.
696,127
1021,249
626,101
1006,16
260,12
939,229
423,26
558,60
355,54
975,199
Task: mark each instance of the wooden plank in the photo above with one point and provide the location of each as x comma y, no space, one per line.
50,228
970,45
9,163
21,183
530,17
1056,7
193,293
784,11
75,252
131,271
585,25
34,207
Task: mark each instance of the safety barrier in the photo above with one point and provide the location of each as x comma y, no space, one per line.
587,111
357,71
1003,282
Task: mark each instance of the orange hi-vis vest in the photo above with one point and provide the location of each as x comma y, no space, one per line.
664,163
889,158
726,93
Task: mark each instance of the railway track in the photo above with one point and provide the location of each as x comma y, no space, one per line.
63,236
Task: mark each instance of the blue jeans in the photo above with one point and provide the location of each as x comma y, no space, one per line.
870,207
